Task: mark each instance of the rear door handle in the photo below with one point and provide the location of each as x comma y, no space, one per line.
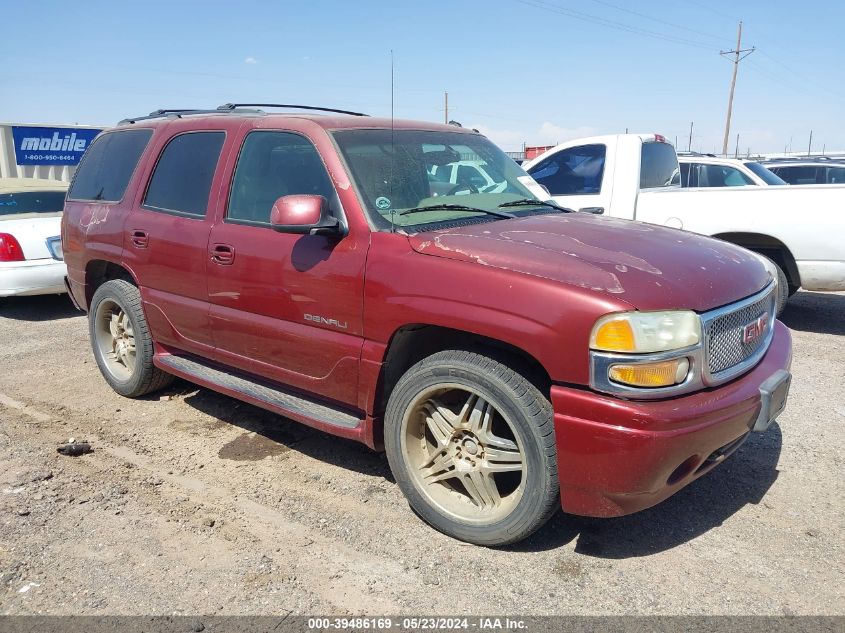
140,239
223,254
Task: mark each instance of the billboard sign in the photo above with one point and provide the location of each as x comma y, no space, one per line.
51,145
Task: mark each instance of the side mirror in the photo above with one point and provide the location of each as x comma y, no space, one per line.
305,215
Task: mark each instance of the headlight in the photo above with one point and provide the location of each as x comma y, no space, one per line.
646,332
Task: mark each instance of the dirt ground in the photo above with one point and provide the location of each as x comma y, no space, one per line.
193,503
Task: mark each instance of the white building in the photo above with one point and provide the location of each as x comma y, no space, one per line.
34,150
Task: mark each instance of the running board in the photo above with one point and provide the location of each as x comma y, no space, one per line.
257,392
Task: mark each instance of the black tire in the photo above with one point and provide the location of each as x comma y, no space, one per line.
145,377
783,288
529,416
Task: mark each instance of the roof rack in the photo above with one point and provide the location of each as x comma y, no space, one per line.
179,112
805,158
697,154
229,107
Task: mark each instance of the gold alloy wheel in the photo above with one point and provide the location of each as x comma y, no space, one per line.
463,454
115,339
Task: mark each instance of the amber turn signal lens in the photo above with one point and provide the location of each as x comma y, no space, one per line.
616,335
663,374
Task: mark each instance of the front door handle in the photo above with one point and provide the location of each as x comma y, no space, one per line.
223,254
593,210
140,239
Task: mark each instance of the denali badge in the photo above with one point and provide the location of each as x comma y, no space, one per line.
324,321
755,329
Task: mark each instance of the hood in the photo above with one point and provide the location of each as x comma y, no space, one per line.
648,266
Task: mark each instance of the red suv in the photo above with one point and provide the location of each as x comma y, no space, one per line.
510,356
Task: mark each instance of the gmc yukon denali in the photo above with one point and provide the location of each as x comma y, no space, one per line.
509,356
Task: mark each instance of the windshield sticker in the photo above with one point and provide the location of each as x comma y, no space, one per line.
382,203
534,187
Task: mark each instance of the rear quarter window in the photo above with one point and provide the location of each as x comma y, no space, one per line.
658,165
108,164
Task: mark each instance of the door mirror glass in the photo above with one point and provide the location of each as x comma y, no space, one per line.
304,214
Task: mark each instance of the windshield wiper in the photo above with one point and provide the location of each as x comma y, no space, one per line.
455,207
528,202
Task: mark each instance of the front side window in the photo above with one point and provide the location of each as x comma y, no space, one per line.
272,165
573,171
401,178
659,166
721,176
108,164
182,178
836,175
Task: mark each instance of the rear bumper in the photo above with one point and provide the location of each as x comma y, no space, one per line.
32,277
617,456
821,275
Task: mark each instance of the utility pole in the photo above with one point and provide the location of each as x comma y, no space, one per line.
739,54
736,152
810,146
446,110
689,145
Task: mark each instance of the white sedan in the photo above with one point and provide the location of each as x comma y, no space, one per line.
30,243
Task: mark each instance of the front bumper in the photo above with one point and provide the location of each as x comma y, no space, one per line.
32,277
618,456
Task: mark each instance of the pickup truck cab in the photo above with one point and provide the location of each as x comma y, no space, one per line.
636,177
510,357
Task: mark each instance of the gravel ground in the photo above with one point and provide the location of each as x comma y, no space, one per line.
194,503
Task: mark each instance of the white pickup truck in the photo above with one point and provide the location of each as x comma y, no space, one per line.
636,176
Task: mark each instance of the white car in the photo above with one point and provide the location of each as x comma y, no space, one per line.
30,243
705,170
813,170
467,174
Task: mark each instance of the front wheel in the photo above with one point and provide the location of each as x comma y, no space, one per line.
471,444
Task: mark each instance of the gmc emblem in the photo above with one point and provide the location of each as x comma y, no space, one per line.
754,330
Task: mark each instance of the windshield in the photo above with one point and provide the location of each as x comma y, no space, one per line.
31,202
407,169
770,178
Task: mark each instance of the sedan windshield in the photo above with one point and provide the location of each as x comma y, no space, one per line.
31,202
769,177
462,176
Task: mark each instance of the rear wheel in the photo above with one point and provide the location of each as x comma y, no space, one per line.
121,340
471,444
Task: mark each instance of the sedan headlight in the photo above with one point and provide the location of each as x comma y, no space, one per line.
646,332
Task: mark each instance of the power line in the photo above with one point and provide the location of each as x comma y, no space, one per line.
712,10
720,38
620,26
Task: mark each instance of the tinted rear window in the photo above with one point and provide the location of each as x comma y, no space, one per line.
182,178
108,164
31,202
659,166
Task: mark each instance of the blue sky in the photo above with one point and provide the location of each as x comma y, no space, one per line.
535,71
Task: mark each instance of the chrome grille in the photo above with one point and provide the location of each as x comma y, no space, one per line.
724,333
